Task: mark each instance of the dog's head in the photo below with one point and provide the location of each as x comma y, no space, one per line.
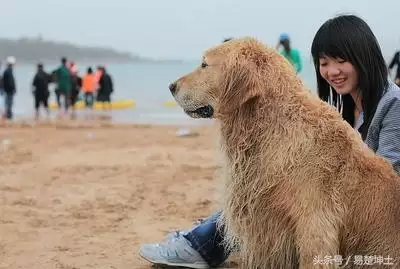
228,77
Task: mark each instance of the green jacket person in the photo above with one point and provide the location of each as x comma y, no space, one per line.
63,78
291,54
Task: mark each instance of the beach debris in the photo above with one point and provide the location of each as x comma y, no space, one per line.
90,136
5,144
184,132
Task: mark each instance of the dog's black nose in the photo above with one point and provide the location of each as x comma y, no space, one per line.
172,87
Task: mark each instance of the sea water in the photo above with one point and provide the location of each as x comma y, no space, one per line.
145,82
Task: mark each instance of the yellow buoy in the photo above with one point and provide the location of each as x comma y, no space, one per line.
170,103
119,104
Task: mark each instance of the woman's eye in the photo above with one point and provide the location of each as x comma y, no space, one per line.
204,65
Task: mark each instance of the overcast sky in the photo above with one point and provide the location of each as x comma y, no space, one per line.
183,29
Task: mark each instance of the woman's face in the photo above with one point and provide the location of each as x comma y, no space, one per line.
340,74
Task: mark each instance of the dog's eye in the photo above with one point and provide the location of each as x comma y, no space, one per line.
204,65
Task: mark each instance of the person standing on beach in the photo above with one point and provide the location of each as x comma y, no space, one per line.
72,67
396,61
9,87
98,75
41,92
63,78
53,77
106,88
1,83
291,54
89,86
76,84
1,90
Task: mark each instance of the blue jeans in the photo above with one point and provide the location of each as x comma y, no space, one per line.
8,102
207,240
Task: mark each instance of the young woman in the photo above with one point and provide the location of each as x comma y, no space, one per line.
353,77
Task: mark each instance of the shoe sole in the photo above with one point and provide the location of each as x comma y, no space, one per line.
192,265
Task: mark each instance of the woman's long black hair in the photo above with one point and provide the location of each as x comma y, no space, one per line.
350,38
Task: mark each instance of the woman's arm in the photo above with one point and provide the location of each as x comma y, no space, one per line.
389,136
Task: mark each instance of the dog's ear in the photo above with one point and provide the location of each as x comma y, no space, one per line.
240,82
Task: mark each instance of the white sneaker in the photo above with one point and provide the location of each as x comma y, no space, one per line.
175,251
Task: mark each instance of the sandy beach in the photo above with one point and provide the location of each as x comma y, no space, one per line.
79,195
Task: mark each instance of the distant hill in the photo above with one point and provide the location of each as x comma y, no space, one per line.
32,50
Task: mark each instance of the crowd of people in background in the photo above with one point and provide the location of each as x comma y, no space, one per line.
70,88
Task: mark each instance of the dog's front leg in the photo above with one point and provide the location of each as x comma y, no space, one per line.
317,238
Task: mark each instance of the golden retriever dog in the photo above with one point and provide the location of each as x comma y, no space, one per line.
303,190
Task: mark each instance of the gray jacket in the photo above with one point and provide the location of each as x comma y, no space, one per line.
383,135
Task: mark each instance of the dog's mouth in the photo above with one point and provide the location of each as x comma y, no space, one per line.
201,112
